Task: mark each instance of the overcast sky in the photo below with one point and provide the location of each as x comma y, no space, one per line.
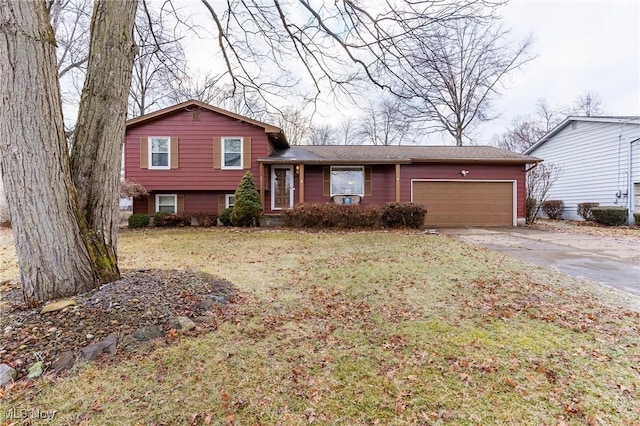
582,45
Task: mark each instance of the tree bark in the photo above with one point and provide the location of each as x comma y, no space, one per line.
99,133
51,250
60,252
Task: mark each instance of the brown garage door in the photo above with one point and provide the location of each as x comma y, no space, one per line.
465,203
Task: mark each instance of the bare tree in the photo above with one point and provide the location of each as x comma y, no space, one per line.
549,116
340,45
295,124
70,20
77,251
454,70
588,104
384,123
160,61
523,133
322,134
540,179
348,132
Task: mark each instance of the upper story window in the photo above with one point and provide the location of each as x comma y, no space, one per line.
159,152
347,180
232,153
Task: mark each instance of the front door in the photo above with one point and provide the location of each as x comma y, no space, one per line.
281,187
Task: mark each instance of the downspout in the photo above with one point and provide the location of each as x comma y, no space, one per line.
630,188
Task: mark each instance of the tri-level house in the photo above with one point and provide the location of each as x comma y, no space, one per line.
190,157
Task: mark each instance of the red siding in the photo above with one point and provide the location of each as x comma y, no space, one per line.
383,180
476,172
194,201
382,185
195,170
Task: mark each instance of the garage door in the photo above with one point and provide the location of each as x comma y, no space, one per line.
465,203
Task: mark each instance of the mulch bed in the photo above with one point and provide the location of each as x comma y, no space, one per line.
141,298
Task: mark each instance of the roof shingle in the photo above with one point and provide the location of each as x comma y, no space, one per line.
396,154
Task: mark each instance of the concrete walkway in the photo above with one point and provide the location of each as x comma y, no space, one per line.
608,261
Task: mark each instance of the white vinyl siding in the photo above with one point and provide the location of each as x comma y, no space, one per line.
594,161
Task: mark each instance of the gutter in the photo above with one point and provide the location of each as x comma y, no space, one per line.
630,187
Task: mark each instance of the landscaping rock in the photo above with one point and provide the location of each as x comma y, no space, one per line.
57,306
181,323
64,361
108,346
222,300
137,301
36,370
205,305
203,319
7,374
150,332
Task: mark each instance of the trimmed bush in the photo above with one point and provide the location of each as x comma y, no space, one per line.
169,220
636,218
332,216
584,210
203,219
403,215
553,208
225,217
247,207
138,220
610,216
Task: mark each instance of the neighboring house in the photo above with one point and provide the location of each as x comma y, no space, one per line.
190,157
599,159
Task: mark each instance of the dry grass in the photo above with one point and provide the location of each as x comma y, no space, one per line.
590,228
366,328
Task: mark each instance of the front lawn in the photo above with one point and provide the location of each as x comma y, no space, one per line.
364,328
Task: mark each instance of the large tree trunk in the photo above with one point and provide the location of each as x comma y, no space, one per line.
58,252
99,134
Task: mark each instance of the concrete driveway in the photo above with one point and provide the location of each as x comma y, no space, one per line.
607,261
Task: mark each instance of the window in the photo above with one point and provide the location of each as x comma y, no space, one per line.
229,200
347,181
159,148
232,153
166,203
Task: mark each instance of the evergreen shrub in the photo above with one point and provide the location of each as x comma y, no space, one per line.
610,216
138,220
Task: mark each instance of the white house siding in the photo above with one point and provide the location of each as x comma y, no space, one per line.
594,160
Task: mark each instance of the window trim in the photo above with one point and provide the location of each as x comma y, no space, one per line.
223,166
175,202
361,168
228,205
168,166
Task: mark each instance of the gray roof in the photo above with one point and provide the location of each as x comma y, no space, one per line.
620,119
371,154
